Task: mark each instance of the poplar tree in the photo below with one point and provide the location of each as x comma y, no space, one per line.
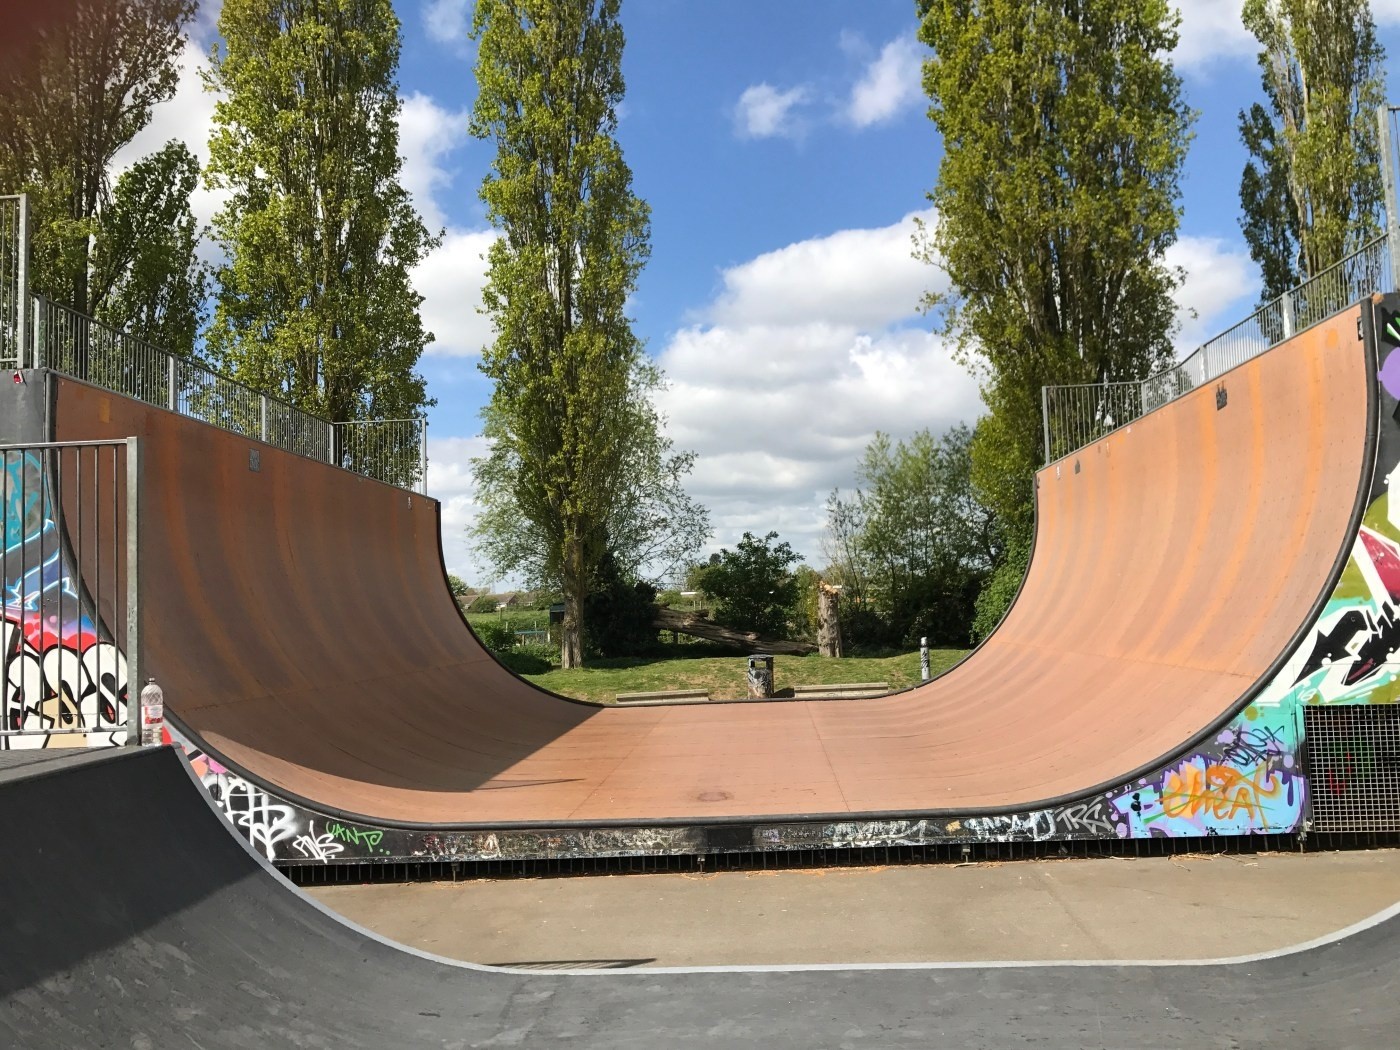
1311,192
84,89
315,302
1064,133
577,463
147,279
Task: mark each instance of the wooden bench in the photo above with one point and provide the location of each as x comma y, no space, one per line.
684,696
840,690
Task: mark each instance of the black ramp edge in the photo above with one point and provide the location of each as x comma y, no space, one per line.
133,918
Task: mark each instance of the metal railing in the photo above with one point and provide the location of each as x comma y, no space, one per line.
1076,415
38,333
392,450
69,621
77,345
14,279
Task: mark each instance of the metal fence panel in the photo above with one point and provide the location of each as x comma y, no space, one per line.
69,606
1074,416
392,450
1354,767
1077,415
79,346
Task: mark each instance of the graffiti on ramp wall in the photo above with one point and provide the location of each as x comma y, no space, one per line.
63,681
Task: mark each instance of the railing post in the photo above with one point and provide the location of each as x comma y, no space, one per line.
40,332
1045,418
423,455
262,416
330,448
1392,208
22,281
133,593
1290,323
172,397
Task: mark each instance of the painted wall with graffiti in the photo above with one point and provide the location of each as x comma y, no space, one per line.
64,683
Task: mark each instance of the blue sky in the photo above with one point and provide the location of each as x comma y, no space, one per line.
784,148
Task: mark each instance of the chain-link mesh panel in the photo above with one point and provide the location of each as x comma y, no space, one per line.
1354,767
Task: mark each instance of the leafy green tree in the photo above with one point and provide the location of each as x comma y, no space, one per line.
577,467
753,585
147,280
619,613
71,103
927,538
1002,586
1311,192
315,302
457,586
1064,133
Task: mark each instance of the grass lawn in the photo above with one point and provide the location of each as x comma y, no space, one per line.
724,676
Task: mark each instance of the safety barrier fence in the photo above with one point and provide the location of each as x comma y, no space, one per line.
70,619
392,450
1075,415
36,332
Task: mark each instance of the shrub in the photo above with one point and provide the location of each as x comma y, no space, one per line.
496,635
483,604
528,659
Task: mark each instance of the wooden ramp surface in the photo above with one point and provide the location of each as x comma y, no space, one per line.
298,620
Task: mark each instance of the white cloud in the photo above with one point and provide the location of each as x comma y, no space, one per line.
427,133
450,280
446,20
450,481
804,354
890,84
765,112
866,278
1221,287
1212,32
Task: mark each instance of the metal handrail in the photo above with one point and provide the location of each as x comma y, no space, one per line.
1076,414
85,348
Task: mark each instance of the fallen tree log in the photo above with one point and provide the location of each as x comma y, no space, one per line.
698,625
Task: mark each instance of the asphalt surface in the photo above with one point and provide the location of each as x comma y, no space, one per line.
134,919
1178,907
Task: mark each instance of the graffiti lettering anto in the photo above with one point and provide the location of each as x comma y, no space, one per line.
353,835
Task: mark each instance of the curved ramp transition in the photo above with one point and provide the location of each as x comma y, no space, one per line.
298,620
138,920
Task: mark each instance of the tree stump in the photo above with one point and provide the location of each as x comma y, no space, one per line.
828,620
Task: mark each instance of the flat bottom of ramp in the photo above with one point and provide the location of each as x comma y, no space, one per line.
1181,907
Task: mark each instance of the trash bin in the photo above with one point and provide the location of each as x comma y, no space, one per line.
760,675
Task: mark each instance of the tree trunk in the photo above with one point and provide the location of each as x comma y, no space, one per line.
828,620
698,626
571,645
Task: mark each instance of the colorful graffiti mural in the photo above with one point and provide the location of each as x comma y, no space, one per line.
64,683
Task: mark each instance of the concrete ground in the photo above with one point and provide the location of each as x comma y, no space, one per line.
1188,907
